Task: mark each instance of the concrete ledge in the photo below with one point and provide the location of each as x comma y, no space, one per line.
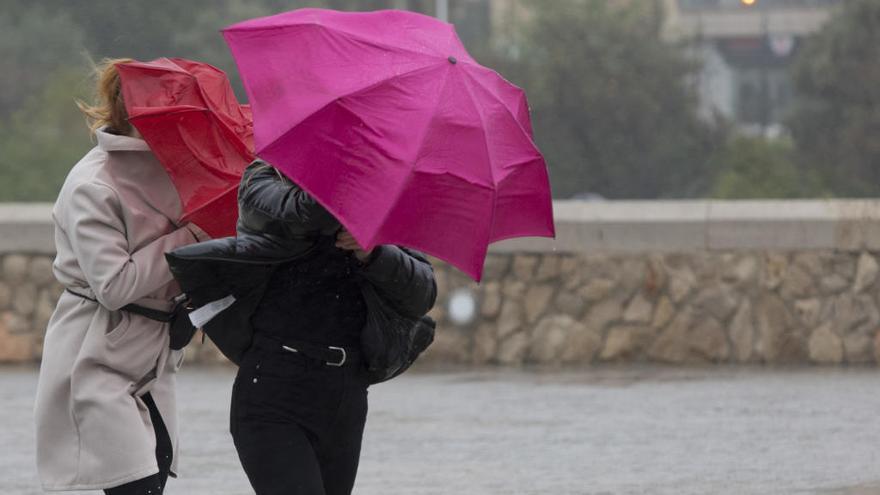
620,226
668,226
26,228
616,226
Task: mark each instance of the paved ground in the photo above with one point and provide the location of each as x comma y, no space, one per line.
627,431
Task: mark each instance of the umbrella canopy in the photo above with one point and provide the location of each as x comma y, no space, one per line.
187,113
388,122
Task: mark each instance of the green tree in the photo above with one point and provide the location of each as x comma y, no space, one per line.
612,109
836,117
204,42
34,43
754,167
136,29
46,46
43,139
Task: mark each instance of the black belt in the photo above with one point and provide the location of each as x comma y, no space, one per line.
153,314
327,354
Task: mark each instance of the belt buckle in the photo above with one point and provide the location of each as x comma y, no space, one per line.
341,361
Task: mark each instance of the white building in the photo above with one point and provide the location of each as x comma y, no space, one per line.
745,48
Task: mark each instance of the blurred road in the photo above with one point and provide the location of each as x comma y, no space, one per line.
598,431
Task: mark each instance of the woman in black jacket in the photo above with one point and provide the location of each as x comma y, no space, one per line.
299,402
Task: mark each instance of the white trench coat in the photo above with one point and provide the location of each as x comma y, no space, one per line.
115,217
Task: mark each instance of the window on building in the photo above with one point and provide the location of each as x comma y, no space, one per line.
737,4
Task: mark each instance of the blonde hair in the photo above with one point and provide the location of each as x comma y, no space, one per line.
108,108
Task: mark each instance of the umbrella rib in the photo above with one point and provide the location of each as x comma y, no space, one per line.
470,91
339,30
379,44
205,98
346,95
418,153
483,130
190,109
146,66
531,140
489,238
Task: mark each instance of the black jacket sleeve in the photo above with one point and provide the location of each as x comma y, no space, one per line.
404,278
274,205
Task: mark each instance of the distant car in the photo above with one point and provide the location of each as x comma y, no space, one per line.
588,196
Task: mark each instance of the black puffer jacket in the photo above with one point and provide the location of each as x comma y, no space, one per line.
279,222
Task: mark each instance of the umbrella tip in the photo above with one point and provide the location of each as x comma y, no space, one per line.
453,60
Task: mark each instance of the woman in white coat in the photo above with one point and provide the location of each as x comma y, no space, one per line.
105,406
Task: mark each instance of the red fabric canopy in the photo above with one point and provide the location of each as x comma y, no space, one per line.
188,114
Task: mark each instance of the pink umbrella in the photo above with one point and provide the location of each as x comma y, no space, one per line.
388,122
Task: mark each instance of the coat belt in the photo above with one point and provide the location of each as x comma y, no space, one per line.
148,304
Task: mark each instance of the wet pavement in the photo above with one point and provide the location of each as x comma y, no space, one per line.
597,431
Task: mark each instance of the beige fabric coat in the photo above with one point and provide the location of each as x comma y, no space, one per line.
114,220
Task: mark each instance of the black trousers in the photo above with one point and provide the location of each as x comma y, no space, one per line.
155,484
297,423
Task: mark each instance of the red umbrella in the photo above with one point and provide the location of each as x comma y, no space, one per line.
188,114
388,122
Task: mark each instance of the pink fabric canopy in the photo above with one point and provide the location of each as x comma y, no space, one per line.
388,122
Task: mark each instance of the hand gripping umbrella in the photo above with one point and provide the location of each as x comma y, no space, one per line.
388,122
187,113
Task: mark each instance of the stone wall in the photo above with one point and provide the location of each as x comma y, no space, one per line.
28,293
671,282
756,307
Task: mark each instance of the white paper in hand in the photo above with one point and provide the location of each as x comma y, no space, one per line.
207,312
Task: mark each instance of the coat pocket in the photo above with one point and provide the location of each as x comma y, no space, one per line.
129,345
117,331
